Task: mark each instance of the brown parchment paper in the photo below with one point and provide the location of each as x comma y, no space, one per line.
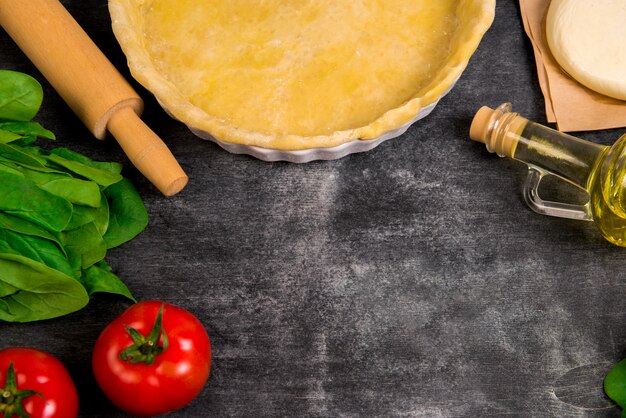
572,106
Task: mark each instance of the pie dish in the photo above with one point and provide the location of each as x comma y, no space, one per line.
299,80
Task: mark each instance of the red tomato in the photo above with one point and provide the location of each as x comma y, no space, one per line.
148,368
34,370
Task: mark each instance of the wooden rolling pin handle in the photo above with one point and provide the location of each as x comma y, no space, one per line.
146,151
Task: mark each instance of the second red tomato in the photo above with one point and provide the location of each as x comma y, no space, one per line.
150,363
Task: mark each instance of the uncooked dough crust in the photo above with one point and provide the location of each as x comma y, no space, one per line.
298,74
588,39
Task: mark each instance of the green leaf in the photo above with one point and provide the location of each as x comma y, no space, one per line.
10,168
41,250
43,292
25,141
6,290
82,215
80,192
6,136
75,260
77,191
102,177
20,96
27,129
36,167
127,213
4,246
101,215
24,227
115,168
87,242
615,384
21,197
21,155
99,278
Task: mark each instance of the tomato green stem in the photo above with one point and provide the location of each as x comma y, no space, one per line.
11,401
146,348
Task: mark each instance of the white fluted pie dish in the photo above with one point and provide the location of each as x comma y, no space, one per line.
299,80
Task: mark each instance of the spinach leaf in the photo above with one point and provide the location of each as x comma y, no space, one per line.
84,214
80,192
6,136
25,141
115,168
20,96
99,278
81,215
615,385
42,292
101,215
127,213
19,164
6,290
25,129
40,250
21,226
6,248
102,177
74,190
22,198
21,155
10,168
87,242
75,260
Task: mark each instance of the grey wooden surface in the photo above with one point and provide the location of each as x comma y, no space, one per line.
408,281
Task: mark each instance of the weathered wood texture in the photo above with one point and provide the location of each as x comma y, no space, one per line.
411,280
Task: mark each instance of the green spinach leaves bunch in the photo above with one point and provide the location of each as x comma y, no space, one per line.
60,212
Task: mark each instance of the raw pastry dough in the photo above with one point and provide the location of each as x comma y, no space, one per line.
298,74
588,39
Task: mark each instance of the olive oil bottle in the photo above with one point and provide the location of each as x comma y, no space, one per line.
598,170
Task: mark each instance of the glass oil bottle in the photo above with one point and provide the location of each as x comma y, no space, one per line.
599,170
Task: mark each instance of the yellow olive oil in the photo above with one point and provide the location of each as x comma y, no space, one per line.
596,169
606,197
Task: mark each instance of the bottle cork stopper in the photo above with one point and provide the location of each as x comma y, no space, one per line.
482,124
499,129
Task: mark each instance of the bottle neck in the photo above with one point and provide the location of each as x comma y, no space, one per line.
563,155
510,135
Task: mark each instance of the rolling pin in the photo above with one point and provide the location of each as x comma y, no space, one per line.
90,85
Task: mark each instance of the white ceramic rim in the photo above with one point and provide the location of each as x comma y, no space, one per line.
313,154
